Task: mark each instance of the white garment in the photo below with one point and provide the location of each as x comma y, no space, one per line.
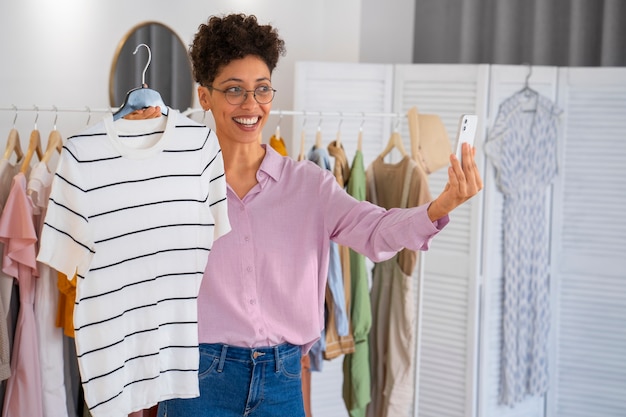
134,209
522,148
49,336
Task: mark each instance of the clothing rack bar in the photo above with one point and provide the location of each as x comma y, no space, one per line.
307,113
54,109
278,112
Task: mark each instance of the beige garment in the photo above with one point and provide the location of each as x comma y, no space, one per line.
394,311
430,144
385,188
392,341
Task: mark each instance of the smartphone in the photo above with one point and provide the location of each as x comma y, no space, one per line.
466,132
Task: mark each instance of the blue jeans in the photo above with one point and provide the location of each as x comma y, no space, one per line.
237,382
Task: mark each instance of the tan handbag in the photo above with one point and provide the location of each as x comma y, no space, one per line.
430,143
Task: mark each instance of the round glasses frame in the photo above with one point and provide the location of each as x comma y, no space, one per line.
238,97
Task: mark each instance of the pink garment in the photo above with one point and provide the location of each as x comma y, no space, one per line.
23,396
8,171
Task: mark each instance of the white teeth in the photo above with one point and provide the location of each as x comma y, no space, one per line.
247,121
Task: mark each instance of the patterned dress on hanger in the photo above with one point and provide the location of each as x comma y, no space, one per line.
522,148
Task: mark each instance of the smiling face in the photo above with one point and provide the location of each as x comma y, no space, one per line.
238,123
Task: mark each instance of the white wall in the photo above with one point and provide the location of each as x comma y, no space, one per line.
60,53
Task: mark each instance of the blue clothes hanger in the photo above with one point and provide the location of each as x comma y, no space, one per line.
141,97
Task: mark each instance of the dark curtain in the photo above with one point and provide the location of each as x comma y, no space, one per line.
514,32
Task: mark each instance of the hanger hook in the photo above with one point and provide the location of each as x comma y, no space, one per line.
396,128
319,125
143,75
530,71
340,121
362,122
15,118
56,116
36,116
280,118
88,117
303,119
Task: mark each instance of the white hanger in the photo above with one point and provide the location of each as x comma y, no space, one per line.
318,134
359,141
302,137
338,138
280,118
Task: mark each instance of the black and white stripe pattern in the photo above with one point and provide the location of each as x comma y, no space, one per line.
135,216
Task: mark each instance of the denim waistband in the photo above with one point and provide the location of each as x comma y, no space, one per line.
258,354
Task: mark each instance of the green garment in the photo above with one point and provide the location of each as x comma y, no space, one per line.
356,366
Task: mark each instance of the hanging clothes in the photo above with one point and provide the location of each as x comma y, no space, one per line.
336,344
50,337
522,148
143,202
65,305
335,306
7,172
279,145
356,368
23,396
393,334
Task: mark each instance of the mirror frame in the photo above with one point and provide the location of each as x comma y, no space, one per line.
123,41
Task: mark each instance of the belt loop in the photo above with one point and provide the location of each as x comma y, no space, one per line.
220,366
276,359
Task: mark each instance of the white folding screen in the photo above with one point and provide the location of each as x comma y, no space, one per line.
589,247
448,319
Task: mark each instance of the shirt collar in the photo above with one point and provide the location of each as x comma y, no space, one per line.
272,164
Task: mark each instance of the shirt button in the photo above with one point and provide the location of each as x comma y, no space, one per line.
249,269
247,238
252,302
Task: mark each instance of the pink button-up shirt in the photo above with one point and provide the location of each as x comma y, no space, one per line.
265,280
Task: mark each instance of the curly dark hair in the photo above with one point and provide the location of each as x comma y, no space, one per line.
227,38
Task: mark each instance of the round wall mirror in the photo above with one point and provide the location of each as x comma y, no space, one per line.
169,72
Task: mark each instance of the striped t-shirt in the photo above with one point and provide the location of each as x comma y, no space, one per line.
134,209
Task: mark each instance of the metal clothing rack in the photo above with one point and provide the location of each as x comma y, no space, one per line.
305,113
323,114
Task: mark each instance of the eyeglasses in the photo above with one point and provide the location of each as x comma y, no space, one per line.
263,94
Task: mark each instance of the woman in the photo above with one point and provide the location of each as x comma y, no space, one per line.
261,300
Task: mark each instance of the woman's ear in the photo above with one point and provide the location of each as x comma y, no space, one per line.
204,97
